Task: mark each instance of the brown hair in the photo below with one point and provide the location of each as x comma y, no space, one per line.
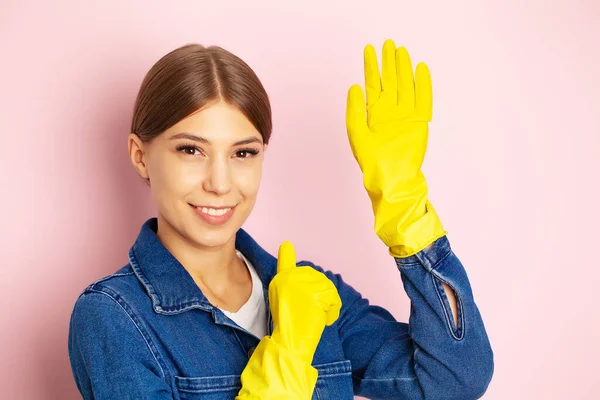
192,77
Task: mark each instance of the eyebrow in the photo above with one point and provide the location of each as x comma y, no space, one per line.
186,135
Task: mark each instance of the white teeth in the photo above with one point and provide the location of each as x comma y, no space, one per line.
214,212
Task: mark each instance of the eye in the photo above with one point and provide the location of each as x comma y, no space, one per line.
246,153
189,149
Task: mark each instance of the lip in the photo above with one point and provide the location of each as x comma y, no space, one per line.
216,208
214,219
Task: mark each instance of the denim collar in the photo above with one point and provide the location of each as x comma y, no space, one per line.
169,285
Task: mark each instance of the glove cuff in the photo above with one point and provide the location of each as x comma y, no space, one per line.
275,373
408,240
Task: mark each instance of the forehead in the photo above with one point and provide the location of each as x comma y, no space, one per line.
220,122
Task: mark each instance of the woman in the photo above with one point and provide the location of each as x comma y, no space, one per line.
201,311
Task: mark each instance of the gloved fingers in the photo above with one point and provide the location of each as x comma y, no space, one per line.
305,285
356,117
335,304
328,299
388,71
372,78
302,281
424,98
406,80
286,258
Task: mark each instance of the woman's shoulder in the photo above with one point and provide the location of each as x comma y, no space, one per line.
121,285
113,280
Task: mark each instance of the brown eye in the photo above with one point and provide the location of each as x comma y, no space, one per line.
246,153
188,149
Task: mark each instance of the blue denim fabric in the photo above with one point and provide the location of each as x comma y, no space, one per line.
148,332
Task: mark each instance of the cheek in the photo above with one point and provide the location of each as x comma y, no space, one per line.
175,178
248,179
189,176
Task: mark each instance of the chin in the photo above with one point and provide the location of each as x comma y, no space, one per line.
213,235
214,239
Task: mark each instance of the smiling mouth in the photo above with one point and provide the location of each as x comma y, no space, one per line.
213,211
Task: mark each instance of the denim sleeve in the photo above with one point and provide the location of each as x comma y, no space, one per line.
428,358
109,355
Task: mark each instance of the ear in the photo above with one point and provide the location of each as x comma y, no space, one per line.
135,146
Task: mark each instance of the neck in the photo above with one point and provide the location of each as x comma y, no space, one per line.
215,266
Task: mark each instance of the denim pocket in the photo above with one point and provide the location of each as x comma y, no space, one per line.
224,387
334,381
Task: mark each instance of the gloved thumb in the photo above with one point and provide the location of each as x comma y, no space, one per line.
286,259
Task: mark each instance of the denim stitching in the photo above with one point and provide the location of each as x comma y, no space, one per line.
207,384
155,301
441,260
135,267
138,328
211,390
412,378
316,390
111,276
335,368
240,341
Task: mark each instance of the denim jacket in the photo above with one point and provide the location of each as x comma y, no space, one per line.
147,332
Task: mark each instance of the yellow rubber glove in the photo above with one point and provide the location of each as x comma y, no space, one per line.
303,301
388,139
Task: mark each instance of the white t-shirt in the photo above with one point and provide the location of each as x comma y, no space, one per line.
252,316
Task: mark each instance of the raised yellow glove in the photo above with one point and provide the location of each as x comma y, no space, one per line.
303,301
389,139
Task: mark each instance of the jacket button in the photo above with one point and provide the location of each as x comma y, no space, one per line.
251,351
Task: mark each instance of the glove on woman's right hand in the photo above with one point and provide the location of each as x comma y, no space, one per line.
303,301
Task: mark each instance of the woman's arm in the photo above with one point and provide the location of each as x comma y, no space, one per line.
434,356
110,358
444,352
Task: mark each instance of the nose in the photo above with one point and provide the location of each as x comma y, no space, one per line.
218,178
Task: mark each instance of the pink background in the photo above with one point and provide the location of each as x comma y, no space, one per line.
512,164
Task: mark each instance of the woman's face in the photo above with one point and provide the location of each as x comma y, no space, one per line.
200,167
